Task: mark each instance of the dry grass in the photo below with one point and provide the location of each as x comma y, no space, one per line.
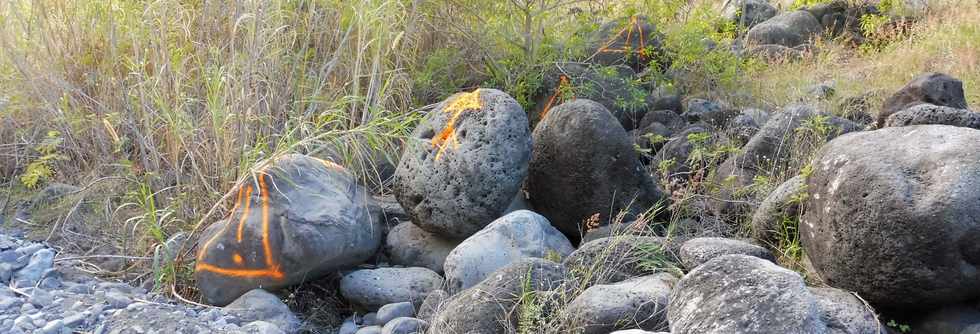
946,39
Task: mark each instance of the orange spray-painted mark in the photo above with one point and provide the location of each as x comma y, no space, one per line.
271,266
563,84
634,25
447,137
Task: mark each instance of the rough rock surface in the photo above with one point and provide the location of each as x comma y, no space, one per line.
488,307
892,215
844,313
698,251
410,246
373,288
259,305
771,148
635,303
518,235
464,163
584,164
619,258
788,29
952,319
781,203
743,294
922,114
300,218
932,88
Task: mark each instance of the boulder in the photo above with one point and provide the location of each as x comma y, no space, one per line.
932,114
410,246
670,119
613,87
709,112
431,305
650,139
297,219
665,102
615,259
782,203
677,151
697,251
789,29
583,165
618,229
635,303
518,235
489,307
743,294
892,215
772,148
464,163
748,13
373,288
633,41
405,325
932,88
259,305
392,311
747,123
369,330
844,313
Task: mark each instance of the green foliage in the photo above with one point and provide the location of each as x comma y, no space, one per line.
530,309
901,328
797,4
41,170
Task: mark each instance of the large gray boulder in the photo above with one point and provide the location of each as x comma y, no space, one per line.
932,114
743,294
932,88
584,164
410,246
892,214
464,163
489,307
635,303
698,251
373,288
782,203
518,235
789,29
844,313
297,219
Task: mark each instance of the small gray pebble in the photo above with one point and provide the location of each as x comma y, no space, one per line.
369,319
394,310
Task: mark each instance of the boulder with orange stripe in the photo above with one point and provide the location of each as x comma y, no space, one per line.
464,163
297,219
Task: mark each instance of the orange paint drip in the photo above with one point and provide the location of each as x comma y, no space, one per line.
248,207
456,107
242,273
634,23
271,269
562,83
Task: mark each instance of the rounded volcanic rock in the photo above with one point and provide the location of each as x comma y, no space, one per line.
464,163
299,219
892,214
584,164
